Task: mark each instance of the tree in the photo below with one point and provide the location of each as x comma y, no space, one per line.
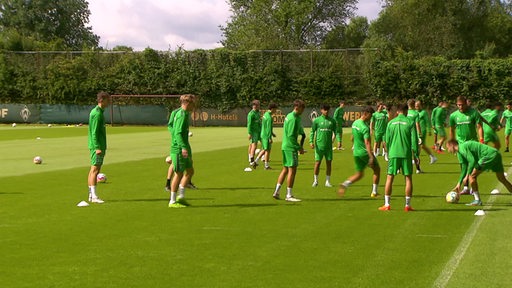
283,24
50,21
352,35
453,29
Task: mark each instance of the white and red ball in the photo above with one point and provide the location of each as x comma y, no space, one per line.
38,160
101,178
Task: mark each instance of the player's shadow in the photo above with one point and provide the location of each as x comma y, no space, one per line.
12,193
457,210
441,172
240,205
231,188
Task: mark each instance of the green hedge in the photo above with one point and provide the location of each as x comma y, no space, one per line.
226,79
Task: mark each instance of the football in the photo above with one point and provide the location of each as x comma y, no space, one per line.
190,134
257,151
13,124
452,197
102,178
168,160
38,160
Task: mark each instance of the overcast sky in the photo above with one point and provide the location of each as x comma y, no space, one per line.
168,24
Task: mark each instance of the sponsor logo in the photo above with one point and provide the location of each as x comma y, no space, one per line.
25,113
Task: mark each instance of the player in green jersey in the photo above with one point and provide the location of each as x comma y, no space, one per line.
97,143
475,158
438,118
267,133
491,114
433,114
340,121
181,152
320,139
425,127
253,131
465,122
415,117
363,156
378,123
290,149
507,116
402,143
170,170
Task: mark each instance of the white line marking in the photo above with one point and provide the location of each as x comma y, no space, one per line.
450,267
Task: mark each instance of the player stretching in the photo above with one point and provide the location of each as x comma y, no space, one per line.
438,117
290,149
491,114
507,115
267,133
338,117
424,121
97,136
254,131
464,124
402,143
475,158
363,155
181,152
320,139
378,124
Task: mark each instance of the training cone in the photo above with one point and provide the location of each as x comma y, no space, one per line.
495,192
247,169
82,204
480,213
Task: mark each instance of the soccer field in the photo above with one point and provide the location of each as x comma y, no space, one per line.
234,234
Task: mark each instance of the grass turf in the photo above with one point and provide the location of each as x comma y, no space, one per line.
235,234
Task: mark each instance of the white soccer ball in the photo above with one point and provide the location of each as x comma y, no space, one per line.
13,124
168,160
190,134
452,197
102,178
49,125
38,160
257,151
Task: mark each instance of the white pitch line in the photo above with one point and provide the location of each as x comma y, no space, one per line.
450,267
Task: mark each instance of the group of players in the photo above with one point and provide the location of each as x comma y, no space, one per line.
401,131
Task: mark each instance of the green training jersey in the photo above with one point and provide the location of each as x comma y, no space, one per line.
465,125
323,127
338,116
433,115
507,115
472,154
291,129
254,122
267,125
401,137
492,118
424,121
380,121
180,131
439,119
97,134
360,132
171,120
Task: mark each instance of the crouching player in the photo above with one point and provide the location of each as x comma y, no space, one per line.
475,158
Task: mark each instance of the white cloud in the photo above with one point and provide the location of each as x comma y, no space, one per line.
168,24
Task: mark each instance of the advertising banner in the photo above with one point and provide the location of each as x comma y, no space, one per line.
19,113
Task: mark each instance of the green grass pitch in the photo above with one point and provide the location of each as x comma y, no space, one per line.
234,234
